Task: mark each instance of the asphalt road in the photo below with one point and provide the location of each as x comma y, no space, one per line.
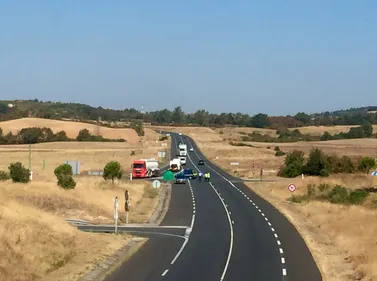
235,236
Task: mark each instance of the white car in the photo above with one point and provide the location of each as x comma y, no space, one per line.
191,149
180,134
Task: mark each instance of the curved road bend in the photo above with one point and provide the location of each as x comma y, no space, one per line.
266,245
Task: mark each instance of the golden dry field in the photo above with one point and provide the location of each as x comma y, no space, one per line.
341,238
70,127
35,241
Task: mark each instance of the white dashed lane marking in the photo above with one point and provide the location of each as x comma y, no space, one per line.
284,270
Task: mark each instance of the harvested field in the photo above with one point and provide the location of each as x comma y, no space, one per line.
70,127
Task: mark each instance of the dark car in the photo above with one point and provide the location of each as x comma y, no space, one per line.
190,173
180,178
201,162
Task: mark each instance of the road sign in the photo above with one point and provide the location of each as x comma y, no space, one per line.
374,173
291,187
116,204
156,184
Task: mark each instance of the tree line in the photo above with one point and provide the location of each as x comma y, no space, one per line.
58,110
34,135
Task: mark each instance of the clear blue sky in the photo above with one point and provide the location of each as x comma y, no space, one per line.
275,57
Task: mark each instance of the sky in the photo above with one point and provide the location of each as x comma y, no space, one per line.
274,57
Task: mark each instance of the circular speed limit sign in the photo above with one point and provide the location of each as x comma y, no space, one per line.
291,187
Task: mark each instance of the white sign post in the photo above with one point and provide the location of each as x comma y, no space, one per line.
291,188
116,204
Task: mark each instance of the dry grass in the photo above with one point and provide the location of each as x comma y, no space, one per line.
341,238
71,128
35,241
319,130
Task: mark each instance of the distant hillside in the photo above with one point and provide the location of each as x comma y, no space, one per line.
70,128
74,111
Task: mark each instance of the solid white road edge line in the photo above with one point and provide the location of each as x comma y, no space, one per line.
186,239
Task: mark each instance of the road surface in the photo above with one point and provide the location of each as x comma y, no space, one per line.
235,236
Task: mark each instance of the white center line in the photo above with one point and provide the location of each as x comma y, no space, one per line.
164,273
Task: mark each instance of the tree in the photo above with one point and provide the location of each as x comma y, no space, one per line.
303,117
366,164
293,164
367,129
112,171
317,164
64,175
84,135
259,121
61,136
326,136
18,173
178,115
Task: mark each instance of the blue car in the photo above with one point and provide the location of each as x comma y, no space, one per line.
190,173
180,178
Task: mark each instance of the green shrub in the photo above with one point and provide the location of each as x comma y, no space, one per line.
18,173
279,153
163,138
277,148
298,198
64,175
338,195
112,171
133,153
138,127
366,164
317,164
4,176
357,197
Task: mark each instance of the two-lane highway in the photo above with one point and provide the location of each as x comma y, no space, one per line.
235,236
267,246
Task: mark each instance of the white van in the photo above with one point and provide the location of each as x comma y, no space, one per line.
183,160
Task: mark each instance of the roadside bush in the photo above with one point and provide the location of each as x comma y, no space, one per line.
163,138
18,173
317,164
240,144
4,176
277,148
293,165
366,164
112,171
132,153
64,175
338,195
280,153
357,197
138,127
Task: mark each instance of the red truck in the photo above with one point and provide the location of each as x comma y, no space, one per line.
145,168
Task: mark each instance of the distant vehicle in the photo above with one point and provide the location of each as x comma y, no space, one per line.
175,165
191,149
180,134
180,178
145,168
190,173
183,160
182,149
201,162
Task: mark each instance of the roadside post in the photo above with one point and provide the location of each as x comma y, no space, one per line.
127,204
291,188
261,173
130,176
116,204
